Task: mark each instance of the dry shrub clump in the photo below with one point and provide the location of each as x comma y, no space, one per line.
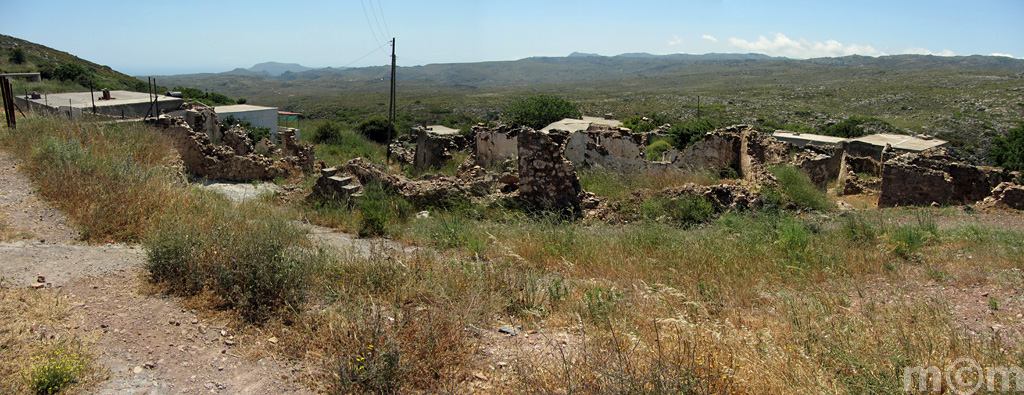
111,179
250,260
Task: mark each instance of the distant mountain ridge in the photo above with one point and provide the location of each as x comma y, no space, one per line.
582,67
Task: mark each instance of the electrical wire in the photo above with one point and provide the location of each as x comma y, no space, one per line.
377,21
381,8
368,23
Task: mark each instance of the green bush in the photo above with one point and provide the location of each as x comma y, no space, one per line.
685,133
540,111
799,189
256,266
327,133
637,124
657,149
378,209
377,129
1008,151
683,210
906,240
17,55
73,72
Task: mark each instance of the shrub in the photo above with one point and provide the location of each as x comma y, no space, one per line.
73,72
540,111
376,128
17,55
685,133
327,133
657,149
55,369
638,125
799,189
1008,151
378,209
683,210
254,266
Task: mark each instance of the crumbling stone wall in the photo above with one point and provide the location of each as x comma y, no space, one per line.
610,148
492,147
738,147
204,120
202,158
431,150
821,164
547,180
934,176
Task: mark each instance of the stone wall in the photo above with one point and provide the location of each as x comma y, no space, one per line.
611,149
738,147
547,180
431,150
202,158
934,176
492,147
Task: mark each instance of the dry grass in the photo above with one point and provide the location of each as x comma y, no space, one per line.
110,179
763,302
38,351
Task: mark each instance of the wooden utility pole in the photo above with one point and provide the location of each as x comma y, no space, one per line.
391,103
8,99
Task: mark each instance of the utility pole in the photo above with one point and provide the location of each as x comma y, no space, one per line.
698,107
391,103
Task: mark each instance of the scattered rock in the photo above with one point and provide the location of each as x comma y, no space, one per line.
507,329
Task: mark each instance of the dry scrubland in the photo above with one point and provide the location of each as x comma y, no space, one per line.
671,298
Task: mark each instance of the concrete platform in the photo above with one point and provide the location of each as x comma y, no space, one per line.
577,125
802,139
122,103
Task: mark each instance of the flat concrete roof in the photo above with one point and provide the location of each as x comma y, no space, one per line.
900,141
85,99
441,129
576,125
808,137
241,108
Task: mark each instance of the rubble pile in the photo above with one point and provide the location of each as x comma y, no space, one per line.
235,159
1006,195
725,197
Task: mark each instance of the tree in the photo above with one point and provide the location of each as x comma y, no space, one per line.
376,128
18,55
1008,151
540,111
73,72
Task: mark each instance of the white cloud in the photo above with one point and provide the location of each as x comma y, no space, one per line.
1002,54
709,38
926,51
801,48
676,40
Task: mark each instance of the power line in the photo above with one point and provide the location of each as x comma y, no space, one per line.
377,21
368,23
381,8
363,57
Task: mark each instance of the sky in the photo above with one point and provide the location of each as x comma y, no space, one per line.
145,38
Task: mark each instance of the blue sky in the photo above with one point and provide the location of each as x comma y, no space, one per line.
184,36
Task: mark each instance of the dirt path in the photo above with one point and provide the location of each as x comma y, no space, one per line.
146,344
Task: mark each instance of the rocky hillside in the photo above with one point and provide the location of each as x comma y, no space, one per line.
17,55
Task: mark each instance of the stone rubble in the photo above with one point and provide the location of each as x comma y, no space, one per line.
235,159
